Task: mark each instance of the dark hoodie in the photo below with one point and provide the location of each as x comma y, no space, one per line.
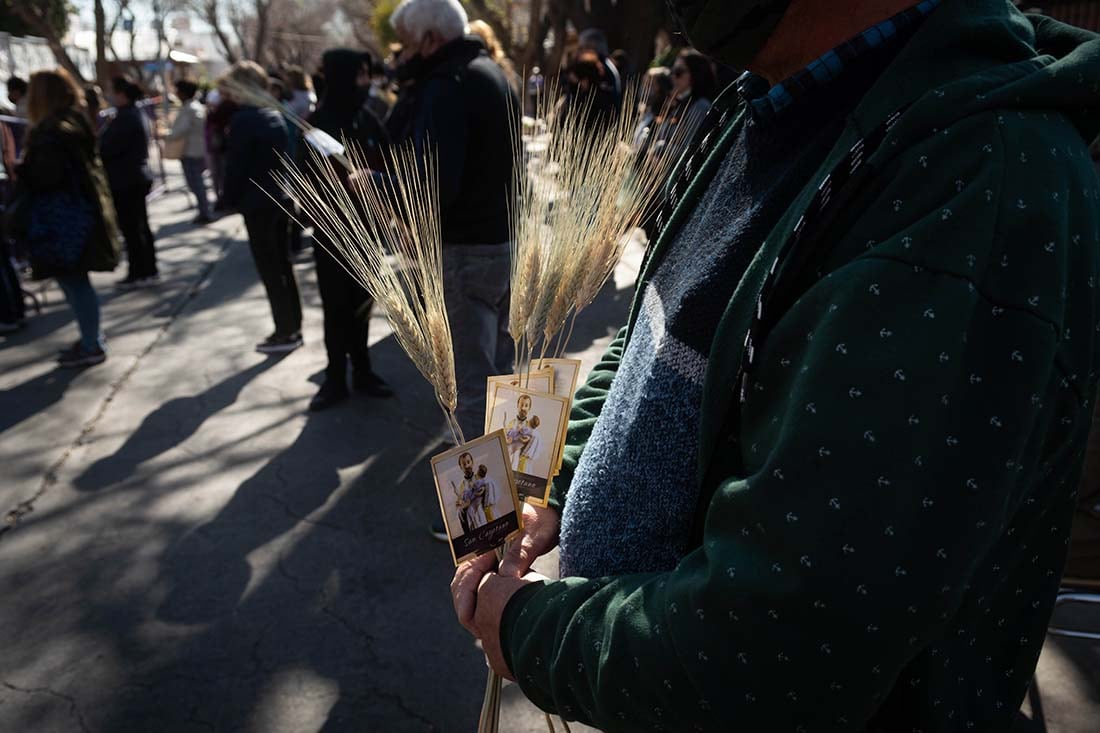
884,511
341,112
465,110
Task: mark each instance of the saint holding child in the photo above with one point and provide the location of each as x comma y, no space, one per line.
521,435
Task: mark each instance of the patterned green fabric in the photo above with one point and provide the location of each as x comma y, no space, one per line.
884,552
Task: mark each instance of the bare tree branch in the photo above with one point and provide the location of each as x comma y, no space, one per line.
37,20
211,13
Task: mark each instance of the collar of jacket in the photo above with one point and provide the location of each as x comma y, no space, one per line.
959,41
451,57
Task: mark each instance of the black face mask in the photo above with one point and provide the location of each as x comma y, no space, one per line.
729,31
410,68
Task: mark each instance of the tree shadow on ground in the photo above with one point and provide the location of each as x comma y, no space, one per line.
33,396
310,574
166,427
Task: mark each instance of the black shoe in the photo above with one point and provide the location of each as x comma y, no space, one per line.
332,392
276,344
11,326
371,384
69,350
81,358
438,531
201,219
147,282
128,283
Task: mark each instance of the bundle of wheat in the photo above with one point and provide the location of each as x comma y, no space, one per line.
573,212
385,231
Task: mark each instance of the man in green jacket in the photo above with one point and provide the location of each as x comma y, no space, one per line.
824,478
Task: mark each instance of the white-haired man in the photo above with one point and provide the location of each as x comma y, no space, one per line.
463,108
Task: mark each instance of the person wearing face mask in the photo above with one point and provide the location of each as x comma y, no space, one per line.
463,109
124,147
854,390
345,303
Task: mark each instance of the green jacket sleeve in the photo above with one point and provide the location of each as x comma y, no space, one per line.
893,412
587,405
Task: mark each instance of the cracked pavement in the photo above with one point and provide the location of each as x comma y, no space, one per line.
187,549
191,551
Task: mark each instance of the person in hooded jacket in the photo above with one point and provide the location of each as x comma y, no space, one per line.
62,186
124,147
865,349
346,305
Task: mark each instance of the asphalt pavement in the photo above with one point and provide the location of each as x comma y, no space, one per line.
189,549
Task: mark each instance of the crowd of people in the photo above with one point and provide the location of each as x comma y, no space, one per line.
228,149
857,214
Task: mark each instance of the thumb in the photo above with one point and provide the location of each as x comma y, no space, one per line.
517,561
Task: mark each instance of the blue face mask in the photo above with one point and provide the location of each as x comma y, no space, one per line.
730,31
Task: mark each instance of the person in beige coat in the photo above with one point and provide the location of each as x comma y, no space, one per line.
187,137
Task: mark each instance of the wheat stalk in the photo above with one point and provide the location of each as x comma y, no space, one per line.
362,221
573,211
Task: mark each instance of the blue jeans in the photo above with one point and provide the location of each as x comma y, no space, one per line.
192,173
83,300
476,290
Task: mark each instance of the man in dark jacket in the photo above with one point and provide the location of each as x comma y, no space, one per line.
825,478
467,114
343,114
257,140
124,148
464,111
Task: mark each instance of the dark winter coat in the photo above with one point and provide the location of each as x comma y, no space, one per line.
124,148
885,501
467,113
257,140
61,151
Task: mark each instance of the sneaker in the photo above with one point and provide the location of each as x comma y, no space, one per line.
438,531
81,358
276,344
72,348
371,384
332,393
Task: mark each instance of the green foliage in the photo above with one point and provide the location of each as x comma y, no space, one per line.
56,14
380,21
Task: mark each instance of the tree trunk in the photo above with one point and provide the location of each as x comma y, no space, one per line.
537,28
558,22
263,7
100,44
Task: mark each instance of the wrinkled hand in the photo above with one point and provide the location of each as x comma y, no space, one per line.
480,597
541,528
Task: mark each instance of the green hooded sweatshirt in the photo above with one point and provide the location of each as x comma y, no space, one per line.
883,522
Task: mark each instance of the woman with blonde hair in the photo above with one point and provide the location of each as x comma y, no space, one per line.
488,36
63,205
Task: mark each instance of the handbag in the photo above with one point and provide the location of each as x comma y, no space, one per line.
60,224
174,148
